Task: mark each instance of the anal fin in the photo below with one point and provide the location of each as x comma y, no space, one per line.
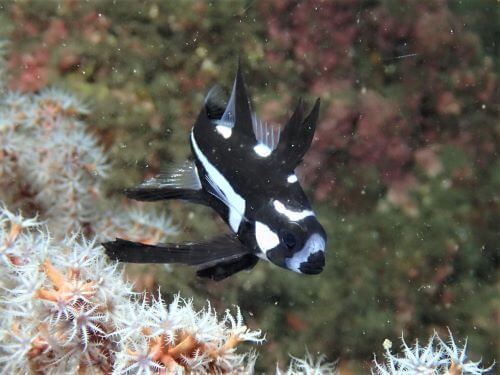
180,182
222,270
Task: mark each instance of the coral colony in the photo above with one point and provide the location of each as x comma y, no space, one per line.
66,309
437,357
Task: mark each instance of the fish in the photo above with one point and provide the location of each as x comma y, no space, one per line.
244,169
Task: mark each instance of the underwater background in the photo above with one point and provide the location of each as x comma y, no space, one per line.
403,172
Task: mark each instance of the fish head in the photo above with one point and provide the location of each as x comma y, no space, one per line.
287,231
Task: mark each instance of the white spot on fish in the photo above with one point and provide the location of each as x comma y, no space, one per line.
265,134
262,150
223,130
233,200
292,215
292,179
266,238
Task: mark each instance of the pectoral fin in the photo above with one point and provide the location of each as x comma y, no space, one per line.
223,270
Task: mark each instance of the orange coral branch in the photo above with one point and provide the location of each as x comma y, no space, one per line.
231,343
54,275
454,369
64,290
157,348
185,347
48,295
38,345
15,229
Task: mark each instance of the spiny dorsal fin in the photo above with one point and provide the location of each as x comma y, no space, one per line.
228,117
238,113
267,136
224,115
215,103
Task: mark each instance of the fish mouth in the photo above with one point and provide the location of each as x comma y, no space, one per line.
311,258
314,265
308,270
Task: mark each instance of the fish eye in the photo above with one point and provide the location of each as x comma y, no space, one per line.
289,239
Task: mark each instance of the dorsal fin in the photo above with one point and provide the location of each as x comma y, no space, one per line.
238,113
297,117
228,117
215,103
267,136
297,135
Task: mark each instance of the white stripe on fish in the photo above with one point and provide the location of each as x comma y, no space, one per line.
292,215
234,201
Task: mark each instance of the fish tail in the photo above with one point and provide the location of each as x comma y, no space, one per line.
205,254
133,252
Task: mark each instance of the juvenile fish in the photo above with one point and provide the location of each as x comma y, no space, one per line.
243,168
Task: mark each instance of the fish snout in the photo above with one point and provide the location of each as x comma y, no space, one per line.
314,264
311,258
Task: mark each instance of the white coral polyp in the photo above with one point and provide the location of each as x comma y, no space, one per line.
61,312
438,357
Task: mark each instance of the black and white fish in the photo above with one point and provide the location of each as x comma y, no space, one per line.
244,169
